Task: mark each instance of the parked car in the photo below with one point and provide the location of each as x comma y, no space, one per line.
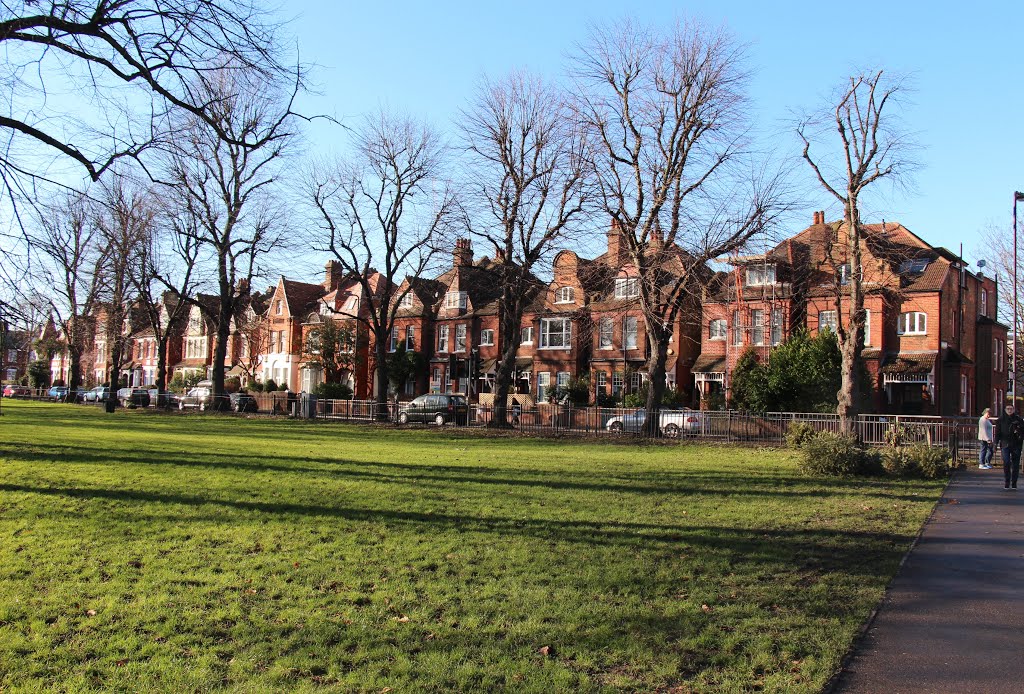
16,391
57,392
165,399
97,394
243,402
437,408
133,397
200,397
672,423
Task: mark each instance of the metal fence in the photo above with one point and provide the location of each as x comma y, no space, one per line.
958,434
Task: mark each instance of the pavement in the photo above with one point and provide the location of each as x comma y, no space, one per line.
953,618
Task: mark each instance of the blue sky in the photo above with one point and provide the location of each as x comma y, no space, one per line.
964,61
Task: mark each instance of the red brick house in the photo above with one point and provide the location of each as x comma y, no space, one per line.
932,344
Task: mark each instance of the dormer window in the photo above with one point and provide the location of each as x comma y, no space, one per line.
759,275
352,303
915,266
457,300
278,307
325,309
565,295
627,288
406,301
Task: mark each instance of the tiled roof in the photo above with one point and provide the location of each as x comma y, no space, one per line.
709,363
300,295
909,363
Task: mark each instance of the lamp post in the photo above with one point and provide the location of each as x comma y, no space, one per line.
1017,197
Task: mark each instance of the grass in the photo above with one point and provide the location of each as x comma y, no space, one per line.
194,553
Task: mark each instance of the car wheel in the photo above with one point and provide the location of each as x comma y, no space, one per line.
237,407
202,407
439,420
181,406
403,418
615,427
671,431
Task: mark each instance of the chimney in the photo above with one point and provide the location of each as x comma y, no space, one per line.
463,255
817,219
242,287
615,243
332,275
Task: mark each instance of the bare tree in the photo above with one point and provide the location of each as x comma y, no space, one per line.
527,183
223,179
666,117
861,146
382,216
66,245
997,250
124,218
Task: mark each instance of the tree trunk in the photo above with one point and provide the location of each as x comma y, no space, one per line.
220,351
381,387
161,369
509,320
850,336
658,345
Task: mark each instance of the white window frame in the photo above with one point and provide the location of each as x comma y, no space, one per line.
565,295
442,338
410,337
984,302
627,287
393,342
630,332
912,323
757,326
562,379
457,300
547,332
486,337
718,329
461,333
867,327
618,382
406,301
828,319
776,327
760,275
602,380
605,333
352,303
963,393
543,384
737,328
278,307
526,335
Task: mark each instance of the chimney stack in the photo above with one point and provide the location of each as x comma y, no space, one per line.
463,255
333,275
615,244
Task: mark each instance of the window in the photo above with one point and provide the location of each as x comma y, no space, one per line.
912,323
279,307
776,326
717,329
410,337
627,288
565,295
455,300
914,266
757,330
737,329
352,303
555,333
602,381
844,273
435,378
617,383
526,335
997,355
543,384
605,333
758,275
828,319
325,309
636,381
867,327
406,301
486,337
629,332
963,393
442,338
984,302
460,337
12,354
393,346
562,380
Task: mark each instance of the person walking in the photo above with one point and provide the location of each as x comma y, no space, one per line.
1010,434
985,440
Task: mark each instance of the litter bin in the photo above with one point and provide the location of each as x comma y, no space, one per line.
308,407
110,404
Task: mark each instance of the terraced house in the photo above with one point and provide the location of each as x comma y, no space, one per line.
932,343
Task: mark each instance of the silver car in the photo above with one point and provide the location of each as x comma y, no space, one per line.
672,423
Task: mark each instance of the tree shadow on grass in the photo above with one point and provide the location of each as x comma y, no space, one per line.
704,482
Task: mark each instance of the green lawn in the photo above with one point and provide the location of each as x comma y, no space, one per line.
149,552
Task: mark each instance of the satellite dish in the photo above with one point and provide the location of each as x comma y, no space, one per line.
981,263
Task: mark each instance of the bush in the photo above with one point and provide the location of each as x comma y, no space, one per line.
269,386
918,460
232,384
799,433
837,455
671,397
334,391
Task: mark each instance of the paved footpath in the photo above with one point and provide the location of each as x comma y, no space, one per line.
953,619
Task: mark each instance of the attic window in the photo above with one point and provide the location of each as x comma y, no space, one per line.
352,303
758,275
565,295
627,288
455,300
914,266
406,301
278,307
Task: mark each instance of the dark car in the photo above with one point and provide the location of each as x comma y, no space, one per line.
133,397
243,402
97,394
200,397
165,399
437,408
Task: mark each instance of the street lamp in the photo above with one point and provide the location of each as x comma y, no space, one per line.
1017,197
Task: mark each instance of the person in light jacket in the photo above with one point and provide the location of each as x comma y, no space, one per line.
985,440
